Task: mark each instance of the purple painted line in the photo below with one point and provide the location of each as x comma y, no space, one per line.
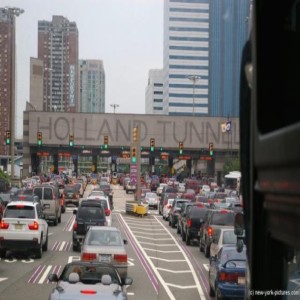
54,247
144,262
67,246
68,223
36,273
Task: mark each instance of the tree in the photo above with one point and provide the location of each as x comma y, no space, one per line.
231,164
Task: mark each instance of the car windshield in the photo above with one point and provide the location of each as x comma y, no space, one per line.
89,274
223,218
229,237
232,255
19,211
103,238
90,213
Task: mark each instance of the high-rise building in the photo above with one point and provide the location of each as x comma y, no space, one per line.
7,76
36,83
154,92
58,48
92,86
203,42
186,55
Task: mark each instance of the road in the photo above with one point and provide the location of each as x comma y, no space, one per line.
161,265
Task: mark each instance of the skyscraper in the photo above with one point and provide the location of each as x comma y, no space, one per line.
154,92
92,86
203,42
7,76
186,55
58,48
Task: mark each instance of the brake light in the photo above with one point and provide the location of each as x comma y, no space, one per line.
75,226
20,206
122,258
88,256
4,225
228,277
210,231
21,197
189,223
223,211
169,206
88,292
107,212
33,226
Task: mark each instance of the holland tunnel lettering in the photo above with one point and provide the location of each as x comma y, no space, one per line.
168,131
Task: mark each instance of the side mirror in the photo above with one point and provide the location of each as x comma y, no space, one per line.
212,259
74,212
125,242
239,224
53,278
239,245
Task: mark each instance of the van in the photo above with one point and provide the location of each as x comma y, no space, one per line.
49,196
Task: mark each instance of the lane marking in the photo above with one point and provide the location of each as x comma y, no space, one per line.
163,251
182,287
206,267
45,274
159,245
168,260
175,272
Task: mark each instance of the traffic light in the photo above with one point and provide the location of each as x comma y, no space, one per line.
211,149
7,137
135,134
71,140
180,147
152,144
133,154
39,138
105,142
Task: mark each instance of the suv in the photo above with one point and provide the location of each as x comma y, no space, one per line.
49,196
89,213
191,222
71,194
174,211
23,227
213,219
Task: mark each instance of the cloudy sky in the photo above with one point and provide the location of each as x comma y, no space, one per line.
126,34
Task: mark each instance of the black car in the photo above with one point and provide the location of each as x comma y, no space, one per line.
174,211
89,213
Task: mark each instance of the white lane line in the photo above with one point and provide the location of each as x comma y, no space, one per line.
198,285
174,271
151,230
62,246
45,275
159,277
168,260
149,233
206,267
163,251
153,239
182,287
158,245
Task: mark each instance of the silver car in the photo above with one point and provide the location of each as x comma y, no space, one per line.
105,244
88,280
152,200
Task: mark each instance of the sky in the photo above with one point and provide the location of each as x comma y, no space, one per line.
127,35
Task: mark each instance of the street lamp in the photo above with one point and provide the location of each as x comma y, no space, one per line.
12,13
114,106
194,79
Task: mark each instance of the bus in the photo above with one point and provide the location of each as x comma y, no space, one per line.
232,182
270,150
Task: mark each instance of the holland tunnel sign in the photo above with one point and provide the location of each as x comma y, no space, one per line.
168,131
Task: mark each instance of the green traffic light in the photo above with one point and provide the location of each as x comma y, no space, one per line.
152,149
161,148
133,159
105,146
7,141
180,151
71,144
39,143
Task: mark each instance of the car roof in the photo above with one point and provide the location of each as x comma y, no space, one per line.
25,203
104,228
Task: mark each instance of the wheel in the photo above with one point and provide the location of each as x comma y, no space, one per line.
187,238
182,235
59,219
200,246
55,221
207,251
211,292
39,251
63,209
169,221
45,246
218,295
2,253
173,224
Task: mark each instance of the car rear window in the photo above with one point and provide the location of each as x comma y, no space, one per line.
197,211
69,189
229,237
91,213
223,218
48,195
19,211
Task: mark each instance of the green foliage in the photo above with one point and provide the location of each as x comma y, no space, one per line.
231,164
4,176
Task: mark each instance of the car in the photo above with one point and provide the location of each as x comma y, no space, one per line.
50,199
103,200
89,213
23,228
25,195
105,244
174,211
71,194
213,219
167,208
130,187
80,187
222,236
227,273
88,280
152,200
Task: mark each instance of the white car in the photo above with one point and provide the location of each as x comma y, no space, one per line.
152,200
167,208
160,188
205,188
23,227
106,205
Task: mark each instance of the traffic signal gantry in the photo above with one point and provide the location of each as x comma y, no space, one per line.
39,138
180,148
71,140
211,149
105,141
152,144
7,137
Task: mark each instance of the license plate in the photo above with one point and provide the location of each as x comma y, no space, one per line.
241,280
105,258
18,226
